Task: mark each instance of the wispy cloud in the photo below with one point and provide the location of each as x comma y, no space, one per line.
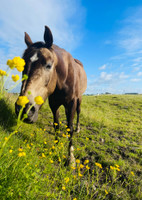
16,17
102,67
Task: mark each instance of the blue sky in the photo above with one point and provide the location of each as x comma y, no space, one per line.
106,35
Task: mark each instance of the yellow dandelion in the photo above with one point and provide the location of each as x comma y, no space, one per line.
64,135
56,124
74,176
73,168
31,144
75,199
2,73
86,162
27,164
51,161
15,78
87,138
45,142
10,151
87,167
78,161
106,192
64,156
80,175
39,100
20,149
81,166
99,165
63,188
66,179
22,101
55,141
132,173
53,147
118,169
43,155
117,166
35,165
68,129
78,149
50,153
6,138
111,167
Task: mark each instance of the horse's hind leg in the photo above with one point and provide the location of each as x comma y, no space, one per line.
78,113
70,112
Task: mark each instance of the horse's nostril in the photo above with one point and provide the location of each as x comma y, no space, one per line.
33,109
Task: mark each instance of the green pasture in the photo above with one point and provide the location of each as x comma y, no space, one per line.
108,152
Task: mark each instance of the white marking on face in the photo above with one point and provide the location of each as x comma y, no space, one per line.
34,58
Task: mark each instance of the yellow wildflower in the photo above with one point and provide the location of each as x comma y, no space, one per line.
45,142
117,169
39,100
111,167
87,167
21,154
27,164
35,165
55,141
64,135
66,179
73,167
51,161
78,161
81,166
20,149
63,188
10,151
56,124
5,138
75,199
74,176
117,166
53,147
22,101
2,73
78,149
80,175
87,138
99,165
132,173
64,156
17,62
15,78
68,129
86,162
106,192
43,155
50,153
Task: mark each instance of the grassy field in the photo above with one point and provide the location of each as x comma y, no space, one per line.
108,152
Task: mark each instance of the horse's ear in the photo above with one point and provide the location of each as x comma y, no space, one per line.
28,40
48,37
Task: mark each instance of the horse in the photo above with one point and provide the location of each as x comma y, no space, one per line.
54,74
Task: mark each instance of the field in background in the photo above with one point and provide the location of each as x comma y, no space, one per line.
111,135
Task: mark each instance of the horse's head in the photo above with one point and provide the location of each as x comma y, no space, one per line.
40,68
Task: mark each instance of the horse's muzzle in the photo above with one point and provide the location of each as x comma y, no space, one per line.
32,113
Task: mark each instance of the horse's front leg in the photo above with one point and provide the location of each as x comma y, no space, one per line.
70,112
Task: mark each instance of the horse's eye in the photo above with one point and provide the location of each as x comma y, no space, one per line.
48,66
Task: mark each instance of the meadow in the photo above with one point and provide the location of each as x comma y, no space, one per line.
108,152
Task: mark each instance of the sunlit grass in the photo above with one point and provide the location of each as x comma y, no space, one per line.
107,151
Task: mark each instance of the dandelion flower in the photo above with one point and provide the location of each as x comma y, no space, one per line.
111,167
2,73
87,167
75,199
5,138
81,166
132,173
16,62
56,124
68,129
78,161
51,161
39,100
66,179
117,166
10,151
106,192
64,135
43,155
80,175
15,78
20,149
63,188
22,101
86,162
55,141
99,165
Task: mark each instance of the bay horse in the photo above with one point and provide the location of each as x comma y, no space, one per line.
54,74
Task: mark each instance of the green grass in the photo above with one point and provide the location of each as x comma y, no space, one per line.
111,133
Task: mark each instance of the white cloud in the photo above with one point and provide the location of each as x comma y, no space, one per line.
105,76
123,76
61,16
139,74
102,67
135,80
130,36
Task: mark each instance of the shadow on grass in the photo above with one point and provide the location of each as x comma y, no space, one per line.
7,116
